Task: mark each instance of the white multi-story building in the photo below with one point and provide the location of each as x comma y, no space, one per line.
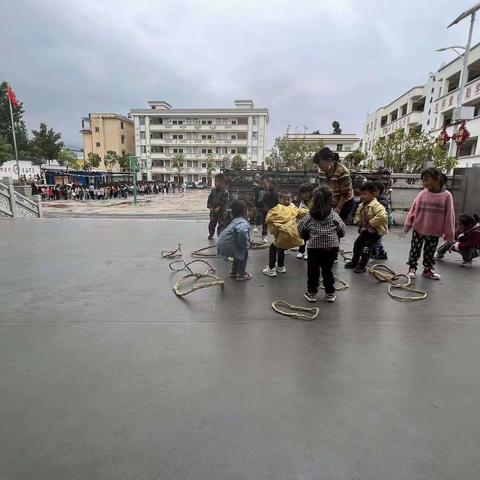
343,144
162,133
429,107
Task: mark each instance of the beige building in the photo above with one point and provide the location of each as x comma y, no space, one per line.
107,131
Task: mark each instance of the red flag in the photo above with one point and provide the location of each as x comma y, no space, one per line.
12,96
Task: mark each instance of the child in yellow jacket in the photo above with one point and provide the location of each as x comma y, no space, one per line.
281,223
372,221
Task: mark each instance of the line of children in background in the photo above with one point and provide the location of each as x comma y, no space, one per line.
322,228
431,216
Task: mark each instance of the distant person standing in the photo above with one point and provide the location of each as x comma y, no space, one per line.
218,205
336,176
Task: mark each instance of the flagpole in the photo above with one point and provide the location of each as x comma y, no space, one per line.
14,139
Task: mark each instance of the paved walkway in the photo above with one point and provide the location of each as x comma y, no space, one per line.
105,374
192,203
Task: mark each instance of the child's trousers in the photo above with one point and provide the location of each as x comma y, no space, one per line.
273,253
239,266
321,259
417,243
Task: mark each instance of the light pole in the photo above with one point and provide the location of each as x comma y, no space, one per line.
460,113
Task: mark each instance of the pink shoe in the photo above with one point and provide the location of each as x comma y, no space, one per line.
412,273
429,273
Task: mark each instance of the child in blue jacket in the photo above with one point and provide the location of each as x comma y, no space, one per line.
234,241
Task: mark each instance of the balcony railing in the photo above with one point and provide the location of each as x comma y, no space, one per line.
201,128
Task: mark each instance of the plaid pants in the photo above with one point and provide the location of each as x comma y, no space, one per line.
428,250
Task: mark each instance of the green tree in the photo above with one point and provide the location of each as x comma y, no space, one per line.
67,158
402,153
21,134
124,162
178,163
93,161
110,160
238,163
46,144
336,128
295,153
6,151
353,160
210,167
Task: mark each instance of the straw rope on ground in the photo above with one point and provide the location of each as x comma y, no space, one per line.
343,284
214,281
345,254
180,265
258,245
385,274
310,313
177,253
201,252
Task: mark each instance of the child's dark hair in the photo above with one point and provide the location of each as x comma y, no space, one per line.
306,187
220,177
380,187
369,187
285,193
436,174
325,154
271,183
238,208
468,220
322,203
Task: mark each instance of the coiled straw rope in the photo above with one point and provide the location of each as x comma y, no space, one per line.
179,265
177,253
310,313
201,252
386,274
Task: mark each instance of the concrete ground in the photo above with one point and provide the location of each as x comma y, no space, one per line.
191,204
105,374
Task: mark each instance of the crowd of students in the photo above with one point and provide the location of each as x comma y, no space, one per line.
102,191
317,225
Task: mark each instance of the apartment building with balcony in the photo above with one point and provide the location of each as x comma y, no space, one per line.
343,144
413,111
102,132
162,133
446,102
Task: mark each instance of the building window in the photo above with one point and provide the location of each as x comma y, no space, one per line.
255,150
142,120
254,135
204,137
234,122
233,150
339,147
142,137
121,125
204,165
144,149
98,144
254,120
97,129
123,153
233,137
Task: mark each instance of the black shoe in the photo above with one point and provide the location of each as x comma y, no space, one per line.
359,269
210,237
350,265
381,256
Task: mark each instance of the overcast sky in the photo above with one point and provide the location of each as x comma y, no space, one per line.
308,62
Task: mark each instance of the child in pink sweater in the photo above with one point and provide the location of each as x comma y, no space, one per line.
431,217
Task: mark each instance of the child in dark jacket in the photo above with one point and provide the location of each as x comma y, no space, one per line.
467,240
378,251
323,228
218,205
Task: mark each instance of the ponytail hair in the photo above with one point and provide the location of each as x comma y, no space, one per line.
322,203
436,174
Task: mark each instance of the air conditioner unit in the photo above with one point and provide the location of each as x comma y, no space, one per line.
463,113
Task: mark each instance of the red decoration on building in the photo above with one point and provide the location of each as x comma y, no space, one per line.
461,136
444,137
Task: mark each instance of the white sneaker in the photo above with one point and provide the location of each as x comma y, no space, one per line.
467,264
330,297
255,230
412,273
305,257
281,270
300,255
311,297
271,272
264,240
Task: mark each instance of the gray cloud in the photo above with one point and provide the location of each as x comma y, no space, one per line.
309,62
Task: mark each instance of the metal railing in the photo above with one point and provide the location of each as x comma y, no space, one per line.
14,204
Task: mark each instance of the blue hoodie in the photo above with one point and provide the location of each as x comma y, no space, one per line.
234,241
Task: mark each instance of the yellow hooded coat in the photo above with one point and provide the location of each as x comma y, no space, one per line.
281,223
